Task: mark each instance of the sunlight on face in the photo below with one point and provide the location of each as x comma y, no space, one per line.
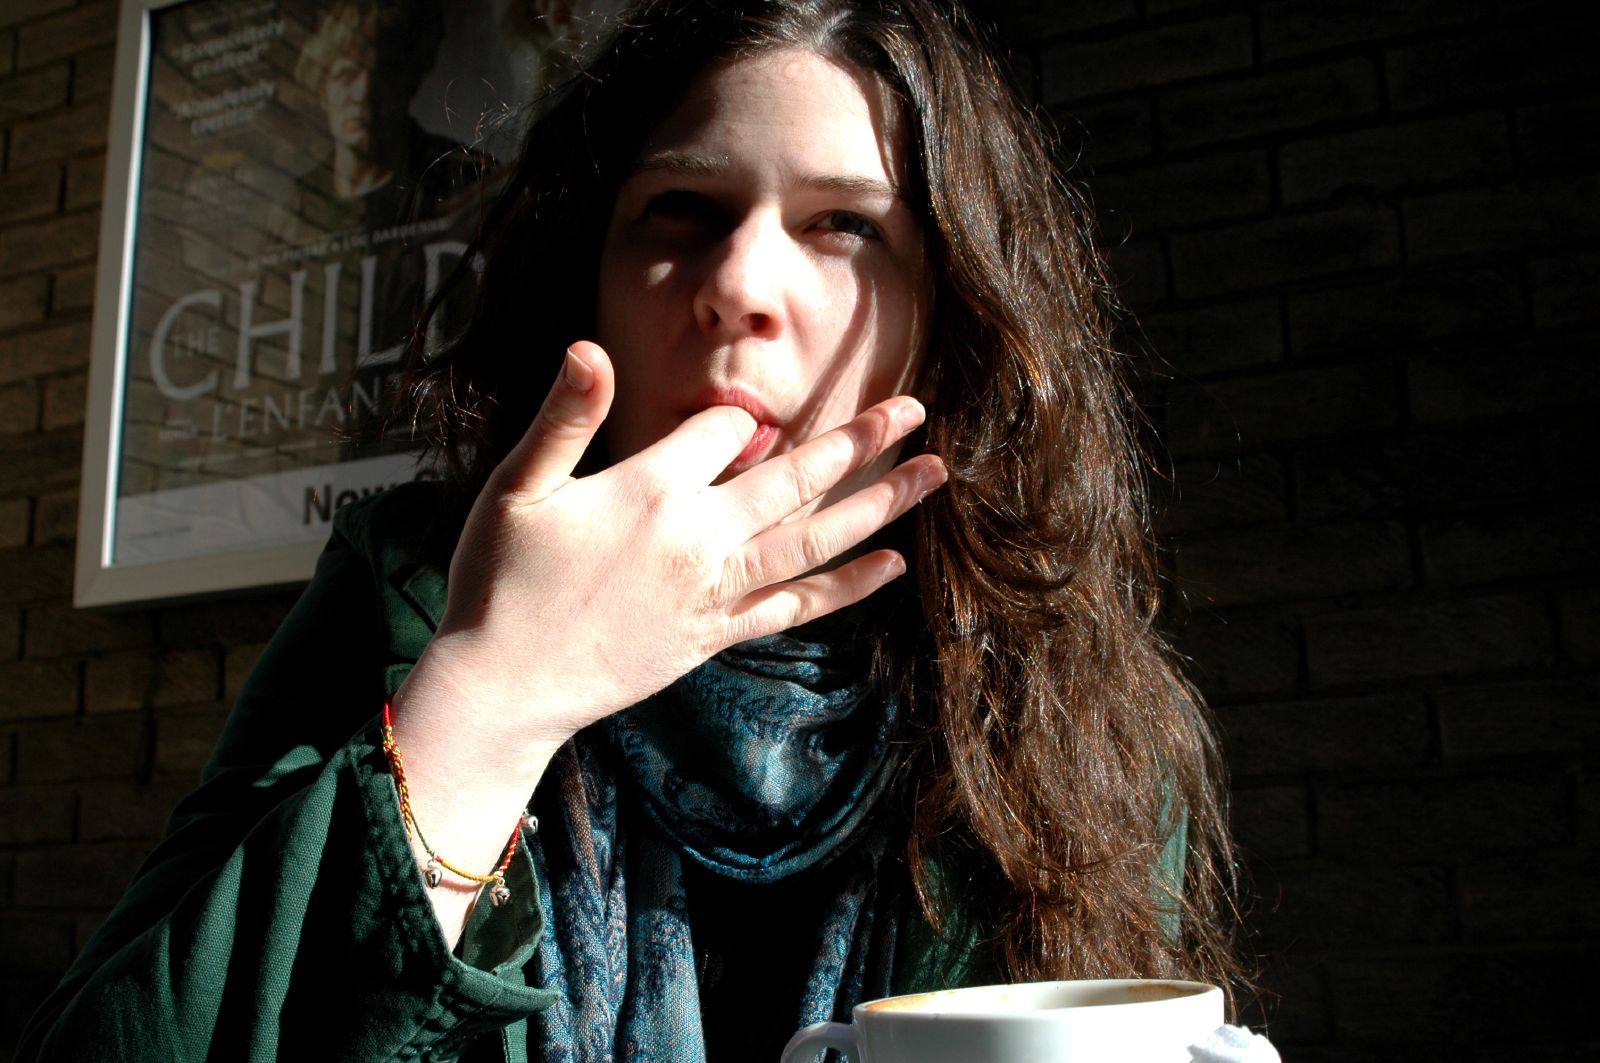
761,255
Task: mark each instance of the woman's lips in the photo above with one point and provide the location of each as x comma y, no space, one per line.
755,450
767,428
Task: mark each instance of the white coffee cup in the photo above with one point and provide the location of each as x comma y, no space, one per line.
1126,1020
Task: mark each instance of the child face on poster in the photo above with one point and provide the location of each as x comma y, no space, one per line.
345,91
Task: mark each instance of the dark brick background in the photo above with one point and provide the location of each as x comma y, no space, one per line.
1360,238
1363,241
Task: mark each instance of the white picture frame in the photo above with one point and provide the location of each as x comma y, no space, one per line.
246,300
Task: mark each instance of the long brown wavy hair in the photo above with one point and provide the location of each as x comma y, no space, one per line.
1056,747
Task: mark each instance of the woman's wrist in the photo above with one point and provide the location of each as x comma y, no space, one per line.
467,777
470,708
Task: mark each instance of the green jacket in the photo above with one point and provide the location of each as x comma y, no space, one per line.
282,915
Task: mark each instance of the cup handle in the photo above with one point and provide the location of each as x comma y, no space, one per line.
813,1039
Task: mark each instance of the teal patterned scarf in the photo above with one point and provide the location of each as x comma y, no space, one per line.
765,762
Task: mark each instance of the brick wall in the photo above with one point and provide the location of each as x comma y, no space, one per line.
1362,237
105,717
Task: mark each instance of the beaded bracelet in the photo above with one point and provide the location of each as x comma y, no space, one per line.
433,873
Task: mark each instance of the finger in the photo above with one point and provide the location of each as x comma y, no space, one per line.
786,605
774,489
788,550
565,425
696,452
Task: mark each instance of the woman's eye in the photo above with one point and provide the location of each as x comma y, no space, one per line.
843,221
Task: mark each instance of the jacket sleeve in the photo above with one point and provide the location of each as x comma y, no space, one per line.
282,915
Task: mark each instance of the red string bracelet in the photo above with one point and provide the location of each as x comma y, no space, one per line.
433,873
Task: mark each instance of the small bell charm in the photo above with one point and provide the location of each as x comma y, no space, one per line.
433,874
499,895
531,822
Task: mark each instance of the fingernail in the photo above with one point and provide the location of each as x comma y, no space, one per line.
576,372
911,414
932,479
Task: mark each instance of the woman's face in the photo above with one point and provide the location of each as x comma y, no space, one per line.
761,255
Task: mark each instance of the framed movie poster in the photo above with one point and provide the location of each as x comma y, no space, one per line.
289,183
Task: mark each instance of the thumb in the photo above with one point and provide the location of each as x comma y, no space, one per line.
564,426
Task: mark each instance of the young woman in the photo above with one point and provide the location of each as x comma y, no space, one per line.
794,563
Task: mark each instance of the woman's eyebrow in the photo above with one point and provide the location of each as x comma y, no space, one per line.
850,184
685,163
690,164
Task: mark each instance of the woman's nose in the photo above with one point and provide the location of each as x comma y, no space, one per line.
741,292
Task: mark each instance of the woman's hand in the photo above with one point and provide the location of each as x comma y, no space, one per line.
571,599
